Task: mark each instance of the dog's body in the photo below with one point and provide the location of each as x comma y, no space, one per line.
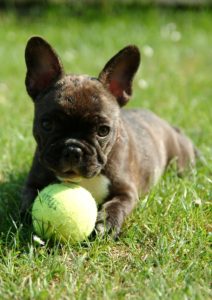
83,135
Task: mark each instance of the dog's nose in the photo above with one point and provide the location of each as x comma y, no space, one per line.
72,154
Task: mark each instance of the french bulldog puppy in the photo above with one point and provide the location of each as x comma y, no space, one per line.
83,134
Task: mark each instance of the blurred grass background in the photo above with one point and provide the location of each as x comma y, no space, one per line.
163,252
110,3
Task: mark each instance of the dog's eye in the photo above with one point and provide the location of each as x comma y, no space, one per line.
47,124
103,130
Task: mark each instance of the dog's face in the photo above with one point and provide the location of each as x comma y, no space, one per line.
76,121
75,126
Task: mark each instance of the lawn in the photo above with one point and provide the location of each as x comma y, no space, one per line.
164,249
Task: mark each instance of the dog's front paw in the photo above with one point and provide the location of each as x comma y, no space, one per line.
107,224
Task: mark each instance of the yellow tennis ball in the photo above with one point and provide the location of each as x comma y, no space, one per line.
65,212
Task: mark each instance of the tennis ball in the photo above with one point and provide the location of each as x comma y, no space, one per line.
65,212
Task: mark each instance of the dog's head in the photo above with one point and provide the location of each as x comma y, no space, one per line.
76,121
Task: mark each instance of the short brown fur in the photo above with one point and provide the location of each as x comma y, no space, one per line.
81,130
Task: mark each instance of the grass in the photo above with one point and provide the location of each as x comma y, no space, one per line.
164,249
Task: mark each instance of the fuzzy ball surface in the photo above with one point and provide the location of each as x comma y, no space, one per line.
65,212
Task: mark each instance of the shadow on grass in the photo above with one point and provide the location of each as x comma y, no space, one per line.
11,227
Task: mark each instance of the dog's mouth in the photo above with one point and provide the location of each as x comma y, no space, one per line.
71,159
77,175
69,172
69,176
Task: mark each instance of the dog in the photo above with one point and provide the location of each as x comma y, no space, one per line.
84,135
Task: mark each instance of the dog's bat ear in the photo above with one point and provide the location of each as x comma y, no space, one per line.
43,66
119,71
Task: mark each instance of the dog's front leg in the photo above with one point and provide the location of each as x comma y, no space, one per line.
38,178
113,212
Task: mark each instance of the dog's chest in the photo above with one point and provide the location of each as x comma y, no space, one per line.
98,186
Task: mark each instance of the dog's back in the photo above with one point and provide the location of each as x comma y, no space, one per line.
158,143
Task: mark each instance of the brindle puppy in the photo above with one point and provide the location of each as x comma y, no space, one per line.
84,135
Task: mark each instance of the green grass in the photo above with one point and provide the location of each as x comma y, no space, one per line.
164,249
